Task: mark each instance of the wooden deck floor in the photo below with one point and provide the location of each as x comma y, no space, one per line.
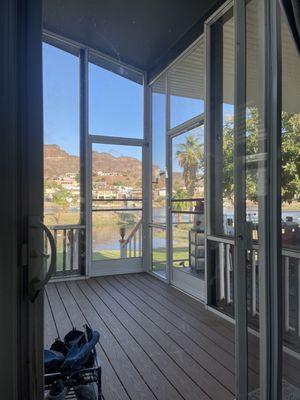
156,342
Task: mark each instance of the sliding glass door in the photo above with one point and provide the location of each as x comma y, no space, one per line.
290,211
252,133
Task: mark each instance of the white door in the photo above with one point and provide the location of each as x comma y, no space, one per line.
116,207
186,211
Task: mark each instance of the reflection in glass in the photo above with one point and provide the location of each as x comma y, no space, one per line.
290,146
186,82
115,103
222,138
290,214
221,258
255,181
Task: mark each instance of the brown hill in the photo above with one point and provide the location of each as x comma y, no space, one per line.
58,162
108,163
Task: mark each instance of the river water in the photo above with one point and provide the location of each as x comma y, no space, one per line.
107,237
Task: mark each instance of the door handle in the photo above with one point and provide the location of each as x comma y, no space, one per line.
36,284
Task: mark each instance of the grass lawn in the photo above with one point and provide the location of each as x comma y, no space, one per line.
106,255
159,256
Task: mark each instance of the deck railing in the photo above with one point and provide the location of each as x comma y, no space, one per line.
224,289
132,245
68,240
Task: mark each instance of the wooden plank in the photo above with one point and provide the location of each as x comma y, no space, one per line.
205,370
188,305
202,354
161,361
130,377
291,361
291,365
212,329
207,329
195,308
225,358
50,331
61,317
112,387
153,375
140,324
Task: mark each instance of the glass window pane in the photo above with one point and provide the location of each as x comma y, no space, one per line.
186,82
180,236
221,259
254,173
188,247
61,137
187,202
290,189
220,251
290,146
159,251
116,234
115,104
188,165
159,151
222,130
117,172
117,201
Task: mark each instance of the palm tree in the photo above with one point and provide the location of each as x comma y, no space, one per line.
190,156
179,205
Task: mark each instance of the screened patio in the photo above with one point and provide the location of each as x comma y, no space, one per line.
148,199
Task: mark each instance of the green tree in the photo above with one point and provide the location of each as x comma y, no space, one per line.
290,155
77,177
190,156
60,198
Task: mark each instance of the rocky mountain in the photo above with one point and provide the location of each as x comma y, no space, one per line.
58,162
119,169
106,162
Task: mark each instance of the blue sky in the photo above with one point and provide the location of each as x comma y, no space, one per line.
115,103
61,99
181,110
115,107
